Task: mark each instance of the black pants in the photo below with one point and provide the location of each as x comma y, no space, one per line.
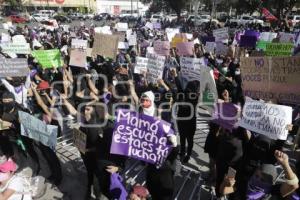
89,160
186,133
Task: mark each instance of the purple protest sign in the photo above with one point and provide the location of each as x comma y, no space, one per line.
225,115
162,48
252,33
205,39
157,25
248,41
185,48
141,137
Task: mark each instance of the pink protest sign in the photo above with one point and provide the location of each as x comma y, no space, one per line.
185,48
162,48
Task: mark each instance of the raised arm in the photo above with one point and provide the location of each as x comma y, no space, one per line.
7,85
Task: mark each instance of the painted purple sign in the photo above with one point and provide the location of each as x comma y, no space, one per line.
141,137
225,115
205,39
248,41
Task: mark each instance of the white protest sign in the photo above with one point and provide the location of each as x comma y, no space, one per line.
189,36
171,32
132,39
221,49
155,65
150,50
19,39
5,38
123,45
141,65
38,130
267,36
210,47
103,30
286,37
149,25
270,120
17,48
79,44
121,27
221,34
191,68
13,67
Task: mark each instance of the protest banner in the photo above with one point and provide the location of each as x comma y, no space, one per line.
262,45
38,130
191,68
267,36
106,45
141,137
79,44
226,115
155,65
48,58
210,47
122,27
17,48
279,49
178,38
221,49
141,65
270,120
272,78
162,48
248,41
13,67
185,48
79,140
221,34
78,58
286,37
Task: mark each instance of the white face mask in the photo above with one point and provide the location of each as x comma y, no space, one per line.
115,82
237,72
4,176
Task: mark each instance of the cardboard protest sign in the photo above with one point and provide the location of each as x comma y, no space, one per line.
141,137
79,140
162,48
210,47
89,52
122,27
155,65
248,41
270,120
221,34
13,67
191,68
106,45
178,38
221,49
267,36
226,115
17,48
38,130
78,58
141,65
185,48
272,78
48,58
79,44
279,49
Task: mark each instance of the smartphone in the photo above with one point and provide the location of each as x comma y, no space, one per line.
231,172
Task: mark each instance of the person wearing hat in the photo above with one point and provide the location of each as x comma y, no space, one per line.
263,185
12,187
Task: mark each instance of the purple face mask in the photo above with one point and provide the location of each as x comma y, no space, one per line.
257,188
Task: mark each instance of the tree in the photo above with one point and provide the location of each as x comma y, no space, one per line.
176,5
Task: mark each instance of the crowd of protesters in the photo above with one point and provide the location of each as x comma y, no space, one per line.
242,163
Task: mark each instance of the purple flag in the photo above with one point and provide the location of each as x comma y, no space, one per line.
248,41
225,115
141,137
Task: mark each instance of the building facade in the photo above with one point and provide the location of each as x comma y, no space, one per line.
120,6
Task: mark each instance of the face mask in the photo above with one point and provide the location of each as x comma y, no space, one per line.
237,72
4,176
8,106
115,82
225,69
219,61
